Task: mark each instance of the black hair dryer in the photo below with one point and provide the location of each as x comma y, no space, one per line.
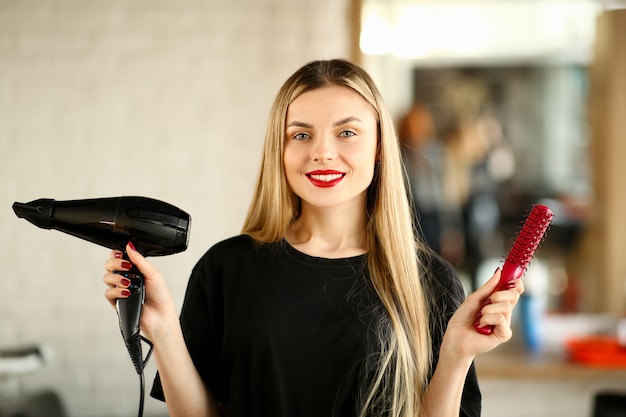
154,227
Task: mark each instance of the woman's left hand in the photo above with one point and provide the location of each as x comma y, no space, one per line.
487,307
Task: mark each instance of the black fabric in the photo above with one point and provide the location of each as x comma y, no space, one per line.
274,332
609,404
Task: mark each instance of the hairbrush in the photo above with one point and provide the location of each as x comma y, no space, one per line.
531,234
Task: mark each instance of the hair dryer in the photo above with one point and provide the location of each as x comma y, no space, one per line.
154,227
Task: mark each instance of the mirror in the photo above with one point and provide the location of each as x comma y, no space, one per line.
518,72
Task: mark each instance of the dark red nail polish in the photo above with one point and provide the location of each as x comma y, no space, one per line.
118,255
126,265
125,293
510,285
125,282
132,246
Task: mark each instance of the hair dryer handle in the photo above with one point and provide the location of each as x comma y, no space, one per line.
129,314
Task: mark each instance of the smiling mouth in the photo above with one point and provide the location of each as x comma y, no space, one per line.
325,179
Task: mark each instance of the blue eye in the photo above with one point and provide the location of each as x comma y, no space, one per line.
301,136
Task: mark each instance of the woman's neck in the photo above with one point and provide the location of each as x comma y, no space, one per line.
328,233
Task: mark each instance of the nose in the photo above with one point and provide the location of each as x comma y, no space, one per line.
323,150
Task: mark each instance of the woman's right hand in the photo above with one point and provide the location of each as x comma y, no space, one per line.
158,311
185,391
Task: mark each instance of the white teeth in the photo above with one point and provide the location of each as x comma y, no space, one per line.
326,178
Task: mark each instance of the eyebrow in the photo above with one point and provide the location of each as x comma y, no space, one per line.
341,122
346,120
297,123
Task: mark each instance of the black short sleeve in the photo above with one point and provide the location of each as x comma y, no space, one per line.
275,332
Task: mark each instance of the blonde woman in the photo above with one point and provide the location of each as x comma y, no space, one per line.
326,304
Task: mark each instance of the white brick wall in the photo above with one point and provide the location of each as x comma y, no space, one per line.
166,99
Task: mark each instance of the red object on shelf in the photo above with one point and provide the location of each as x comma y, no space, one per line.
597,351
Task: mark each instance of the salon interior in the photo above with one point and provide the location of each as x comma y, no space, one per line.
534,101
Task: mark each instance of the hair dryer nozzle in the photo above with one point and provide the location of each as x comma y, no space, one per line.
38,212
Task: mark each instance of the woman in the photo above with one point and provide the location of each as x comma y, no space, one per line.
326,304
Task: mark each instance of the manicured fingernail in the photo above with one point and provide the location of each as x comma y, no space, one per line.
132,246
126,265
510,285
118,255
125,293
125,282
496,271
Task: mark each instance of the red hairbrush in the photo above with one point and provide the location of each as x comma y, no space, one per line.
529,237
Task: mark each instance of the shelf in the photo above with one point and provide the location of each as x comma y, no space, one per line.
513,362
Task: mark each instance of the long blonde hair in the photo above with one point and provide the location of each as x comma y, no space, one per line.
404,363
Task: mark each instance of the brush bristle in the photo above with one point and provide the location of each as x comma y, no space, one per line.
530,236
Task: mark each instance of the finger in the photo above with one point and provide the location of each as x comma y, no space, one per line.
503,301
500,304
139,261
117,264
114,279
501,322
494,319
510,296
497,309
491,284
113,293
501,308
483,292
516,284
503,331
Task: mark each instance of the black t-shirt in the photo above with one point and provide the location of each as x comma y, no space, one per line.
274,332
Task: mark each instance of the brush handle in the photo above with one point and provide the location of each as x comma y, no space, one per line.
532,233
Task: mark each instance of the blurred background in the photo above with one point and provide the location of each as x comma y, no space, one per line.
500,105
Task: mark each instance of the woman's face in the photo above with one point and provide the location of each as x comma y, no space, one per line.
330,149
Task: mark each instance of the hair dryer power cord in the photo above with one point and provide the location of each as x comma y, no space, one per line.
142,391
133,344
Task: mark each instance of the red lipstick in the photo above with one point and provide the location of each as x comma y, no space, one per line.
325,178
